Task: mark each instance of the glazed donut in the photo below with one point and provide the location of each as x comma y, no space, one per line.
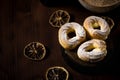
97,27
71,34
93,50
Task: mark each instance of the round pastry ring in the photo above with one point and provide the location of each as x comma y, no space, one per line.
71,42
93,50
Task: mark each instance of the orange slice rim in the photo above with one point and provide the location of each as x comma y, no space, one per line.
59,18
55,74
35,51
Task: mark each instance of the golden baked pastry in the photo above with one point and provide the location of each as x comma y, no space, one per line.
71,34
97,27
93,50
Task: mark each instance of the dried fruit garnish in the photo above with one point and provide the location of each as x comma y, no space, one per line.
35,51
58,18
57,73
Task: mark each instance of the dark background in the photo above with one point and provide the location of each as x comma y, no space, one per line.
25,21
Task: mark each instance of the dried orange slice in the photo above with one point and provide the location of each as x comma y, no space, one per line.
57,73
109,21
59,17
35,51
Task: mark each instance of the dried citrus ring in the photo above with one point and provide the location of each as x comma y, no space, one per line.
109,21
57,73
58,18
35,51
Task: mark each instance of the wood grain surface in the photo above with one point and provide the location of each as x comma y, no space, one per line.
25,21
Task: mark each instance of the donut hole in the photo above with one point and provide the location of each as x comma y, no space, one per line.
90,48
71,34
96,25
